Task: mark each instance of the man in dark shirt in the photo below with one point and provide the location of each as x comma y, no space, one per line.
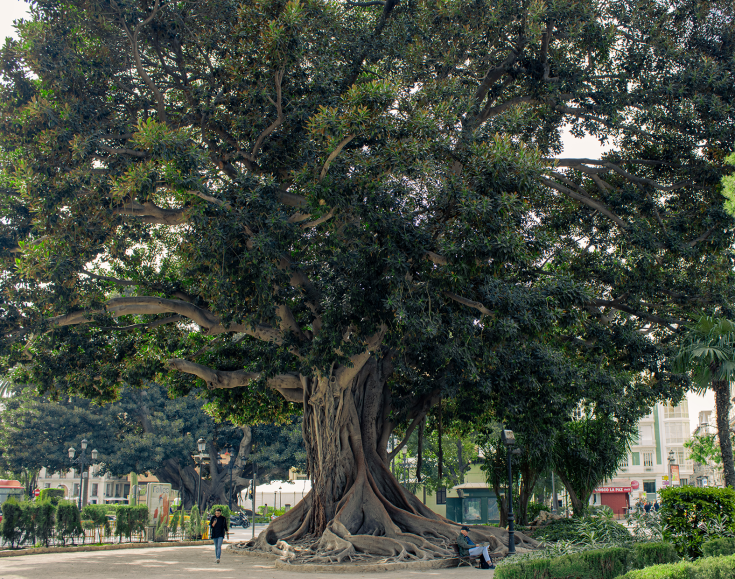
468,548
218,523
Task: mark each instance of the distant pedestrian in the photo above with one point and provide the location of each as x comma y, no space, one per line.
656,506
219,529
647,507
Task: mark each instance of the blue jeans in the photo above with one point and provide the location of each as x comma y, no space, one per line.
218,546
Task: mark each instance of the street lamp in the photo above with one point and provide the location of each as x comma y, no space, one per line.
280,497
201,445
80,461
509,440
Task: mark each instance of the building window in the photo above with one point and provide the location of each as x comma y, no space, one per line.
649,486
108,491
47,485
677,432
636,456
126,490
624,462
441,496
681,411
647,459
76,490
645,434
94,489
684,482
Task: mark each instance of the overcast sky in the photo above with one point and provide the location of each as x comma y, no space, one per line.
589,147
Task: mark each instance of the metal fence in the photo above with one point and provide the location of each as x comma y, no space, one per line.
97,536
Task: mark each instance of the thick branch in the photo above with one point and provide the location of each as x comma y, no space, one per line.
590,202
477,305
151,213
288,385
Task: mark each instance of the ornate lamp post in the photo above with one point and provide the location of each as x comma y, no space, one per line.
201,445
672,462
82,458
509,440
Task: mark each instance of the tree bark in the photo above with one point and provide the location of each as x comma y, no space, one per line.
356,505
723,403
529,476
579,504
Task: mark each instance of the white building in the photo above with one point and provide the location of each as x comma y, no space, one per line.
645,469
103,489
709,474
278,494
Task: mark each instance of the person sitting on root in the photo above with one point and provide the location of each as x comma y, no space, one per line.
467,548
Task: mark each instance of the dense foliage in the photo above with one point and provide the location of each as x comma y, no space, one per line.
686,512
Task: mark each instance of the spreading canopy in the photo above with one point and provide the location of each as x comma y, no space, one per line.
305,202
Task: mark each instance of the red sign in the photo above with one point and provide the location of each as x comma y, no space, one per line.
613,490
634,484
36,492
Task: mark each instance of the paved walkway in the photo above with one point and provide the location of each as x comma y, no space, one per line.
177,562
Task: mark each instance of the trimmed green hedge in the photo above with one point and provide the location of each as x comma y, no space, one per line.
718,547
706,568
685,508
130,519
53,495
597,564
12,529
68,521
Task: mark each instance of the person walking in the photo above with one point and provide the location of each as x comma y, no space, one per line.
656,506
647,507
218,523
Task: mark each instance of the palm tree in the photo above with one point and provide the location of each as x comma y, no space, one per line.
708,353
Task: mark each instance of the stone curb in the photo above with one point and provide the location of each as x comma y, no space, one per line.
356,568
110,547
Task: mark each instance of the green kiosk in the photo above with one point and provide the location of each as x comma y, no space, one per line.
475,504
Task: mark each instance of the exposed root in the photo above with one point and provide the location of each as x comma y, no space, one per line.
357,511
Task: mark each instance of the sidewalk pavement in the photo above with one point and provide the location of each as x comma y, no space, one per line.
178,562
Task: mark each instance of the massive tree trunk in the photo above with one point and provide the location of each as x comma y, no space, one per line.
356,506
722,402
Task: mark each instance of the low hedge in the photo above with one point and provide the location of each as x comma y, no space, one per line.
718,547
706,568
595,564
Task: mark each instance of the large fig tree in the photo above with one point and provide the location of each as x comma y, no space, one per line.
356,210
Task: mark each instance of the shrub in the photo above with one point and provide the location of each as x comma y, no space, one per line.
686,512
592,564
707,568
37,521
68,521
12,529
130,519
534,509
194,528
97,515
597,564
586,529
647,554
174,524
53,495
718,547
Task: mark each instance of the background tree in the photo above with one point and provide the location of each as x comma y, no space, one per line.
359,210
708,353
144,431
587,451
704,449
